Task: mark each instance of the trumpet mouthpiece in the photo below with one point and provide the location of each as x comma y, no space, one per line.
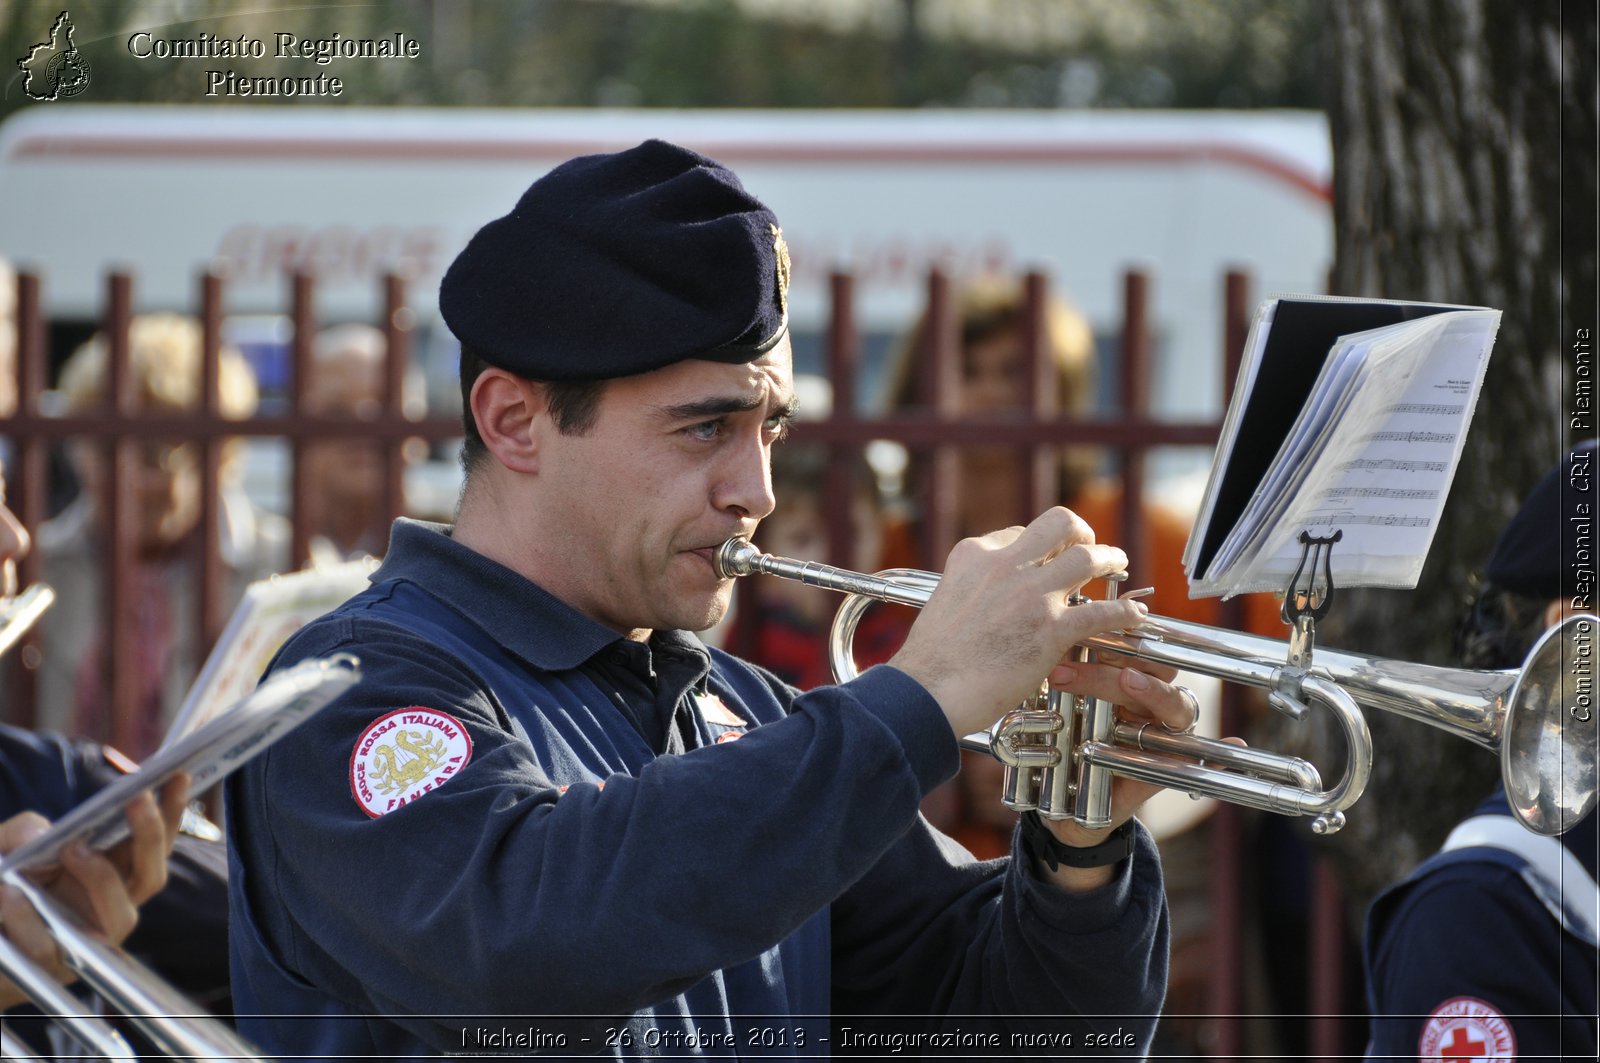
736,557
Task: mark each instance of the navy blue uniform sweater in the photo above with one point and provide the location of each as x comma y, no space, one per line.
495,822
1465,957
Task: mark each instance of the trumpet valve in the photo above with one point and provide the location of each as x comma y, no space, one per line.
1331,823
1020,789
1024,738
1288,704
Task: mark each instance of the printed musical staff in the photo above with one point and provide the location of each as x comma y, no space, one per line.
1428,409
1411,437
1392,465
1408,494
1386,520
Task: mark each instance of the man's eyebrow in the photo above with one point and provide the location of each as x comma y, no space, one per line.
721,406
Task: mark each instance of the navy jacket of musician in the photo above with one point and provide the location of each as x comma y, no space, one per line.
1465,958
497,822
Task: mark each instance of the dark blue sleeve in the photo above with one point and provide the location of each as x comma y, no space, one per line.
182,931
45,773
498,894
1475,931
931,932
988,946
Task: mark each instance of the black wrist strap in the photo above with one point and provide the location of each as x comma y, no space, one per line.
1039,843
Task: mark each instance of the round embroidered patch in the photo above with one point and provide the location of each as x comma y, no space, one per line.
1467,1028
405,754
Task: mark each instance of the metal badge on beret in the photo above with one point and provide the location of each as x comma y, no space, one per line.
781,251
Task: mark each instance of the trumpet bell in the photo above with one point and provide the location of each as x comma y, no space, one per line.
1548,749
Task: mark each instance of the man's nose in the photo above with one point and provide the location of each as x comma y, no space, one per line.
746,482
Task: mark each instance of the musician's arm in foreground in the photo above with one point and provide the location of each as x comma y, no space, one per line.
716,856
104,890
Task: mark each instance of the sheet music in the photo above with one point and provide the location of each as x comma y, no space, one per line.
208,754
1249,366
270,611
1330,399
1372,453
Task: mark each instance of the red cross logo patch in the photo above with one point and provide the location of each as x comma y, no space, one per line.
405,754
1466,1028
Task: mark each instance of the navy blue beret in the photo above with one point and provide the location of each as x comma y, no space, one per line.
611,265
1542,550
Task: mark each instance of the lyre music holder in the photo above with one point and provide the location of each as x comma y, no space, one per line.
1304,603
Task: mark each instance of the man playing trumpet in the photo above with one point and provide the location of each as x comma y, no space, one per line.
548,799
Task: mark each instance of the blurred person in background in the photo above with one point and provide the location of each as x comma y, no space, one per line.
991,489
1489,950
74,693
182,930
61,480
992,483
783,625
8,346
348,519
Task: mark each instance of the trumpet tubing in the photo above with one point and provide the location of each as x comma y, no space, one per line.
20,612
1060,750
177,1026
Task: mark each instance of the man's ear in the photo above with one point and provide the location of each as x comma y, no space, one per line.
507,409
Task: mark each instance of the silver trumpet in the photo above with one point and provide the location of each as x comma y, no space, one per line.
1061,751
179,1028
19,612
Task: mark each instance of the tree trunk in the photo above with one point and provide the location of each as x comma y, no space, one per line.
1464,172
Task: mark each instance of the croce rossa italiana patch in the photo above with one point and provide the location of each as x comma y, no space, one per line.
405,754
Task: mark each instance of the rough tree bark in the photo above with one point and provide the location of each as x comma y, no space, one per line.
1464,172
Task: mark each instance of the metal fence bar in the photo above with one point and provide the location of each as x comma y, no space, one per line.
1135,403
1044,460
396,357
839,484
942,385
161,425
925,431
28,481
303,317
1227,821
208,589
1325,957
121,470
120,433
